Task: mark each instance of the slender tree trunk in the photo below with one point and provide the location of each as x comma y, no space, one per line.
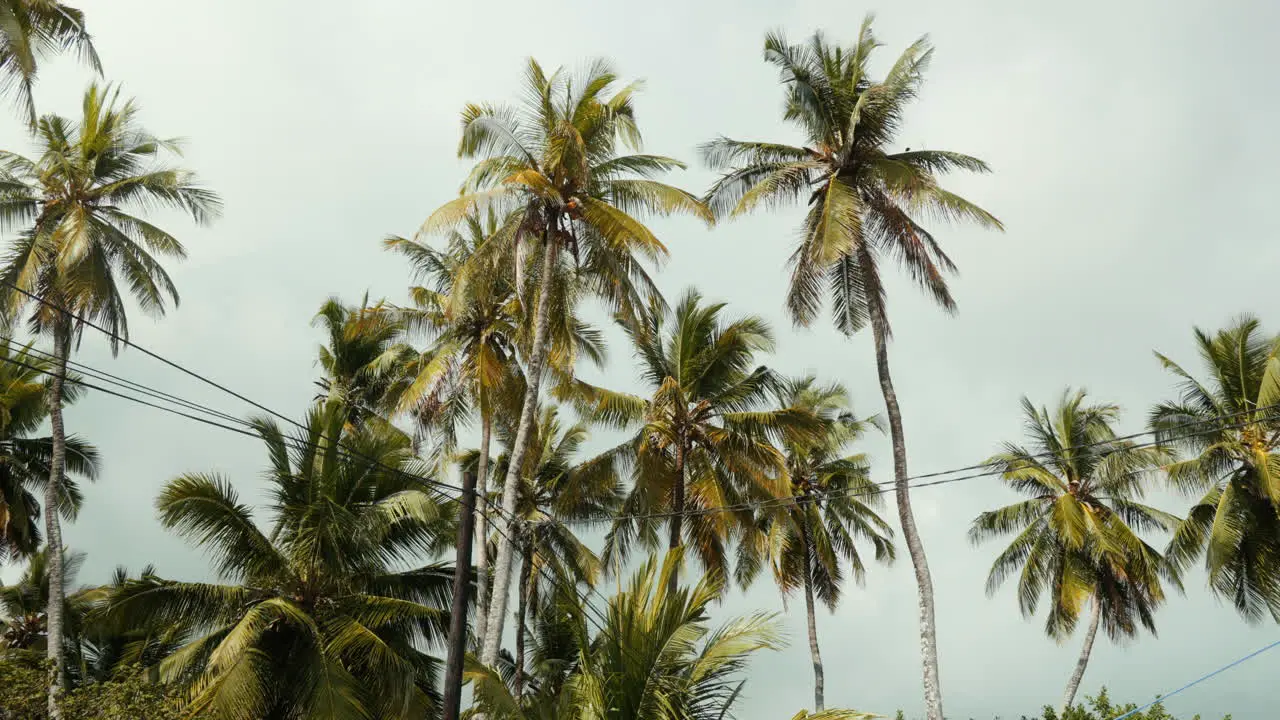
522,613
677,512
502,564
53,527
1073,684
818,679
458,613
924,583
482,525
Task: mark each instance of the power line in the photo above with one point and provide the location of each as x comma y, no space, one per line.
888,485
248,429
1193,683
251,430
212,383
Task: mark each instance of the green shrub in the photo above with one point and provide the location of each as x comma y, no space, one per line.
130,697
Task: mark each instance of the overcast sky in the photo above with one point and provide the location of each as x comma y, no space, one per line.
1131,144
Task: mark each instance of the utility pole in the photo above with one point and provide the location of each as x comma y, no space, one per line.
461,586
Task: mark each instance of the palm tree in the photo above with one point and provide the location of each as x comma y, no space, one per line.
554,166
365,360
24,460
866,204
810,538
107,650
30,31
653,658
701,441
78,196
1076,536
556,494
316,618
24,607
472,315
1227,430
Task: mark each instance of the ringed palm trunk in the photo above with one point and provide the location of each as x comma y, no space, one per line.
1073,684
924,582
818,679
677,512
56,650
522,613
482,523
502,563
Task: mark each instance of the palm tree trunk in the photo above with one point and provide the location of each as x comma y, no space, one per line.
482,524
677,512
818,680
522,612
458,611
53,527
1073,684
924,582
502,564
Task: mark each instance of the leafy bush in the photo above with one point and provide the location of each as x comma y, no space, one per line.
1100,707
130,697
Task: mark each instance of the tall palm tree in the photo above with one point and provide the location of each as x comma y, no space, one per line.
1076,534
1227,430
472,314
76,204
472,326
24,460
653,658
555,495
553,170
811,538
866,203
365,359
31,31
317,618
701,439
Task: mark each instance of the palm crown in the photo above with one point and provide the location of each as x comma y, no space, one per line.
1076,534
474,318
318,619
78,195
555,494
865,201
702,442
554,165
30,30
1227,429
365,359
813,537
653,657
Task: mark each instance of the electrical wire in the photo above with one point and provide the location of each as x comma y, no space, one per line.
1193,683
247,428
886,486
212,383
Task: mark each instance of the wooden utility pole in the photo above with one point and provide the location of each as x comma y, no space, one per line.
461,588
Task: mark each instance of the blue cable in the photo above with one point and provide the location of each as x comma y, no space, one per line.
1224,668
